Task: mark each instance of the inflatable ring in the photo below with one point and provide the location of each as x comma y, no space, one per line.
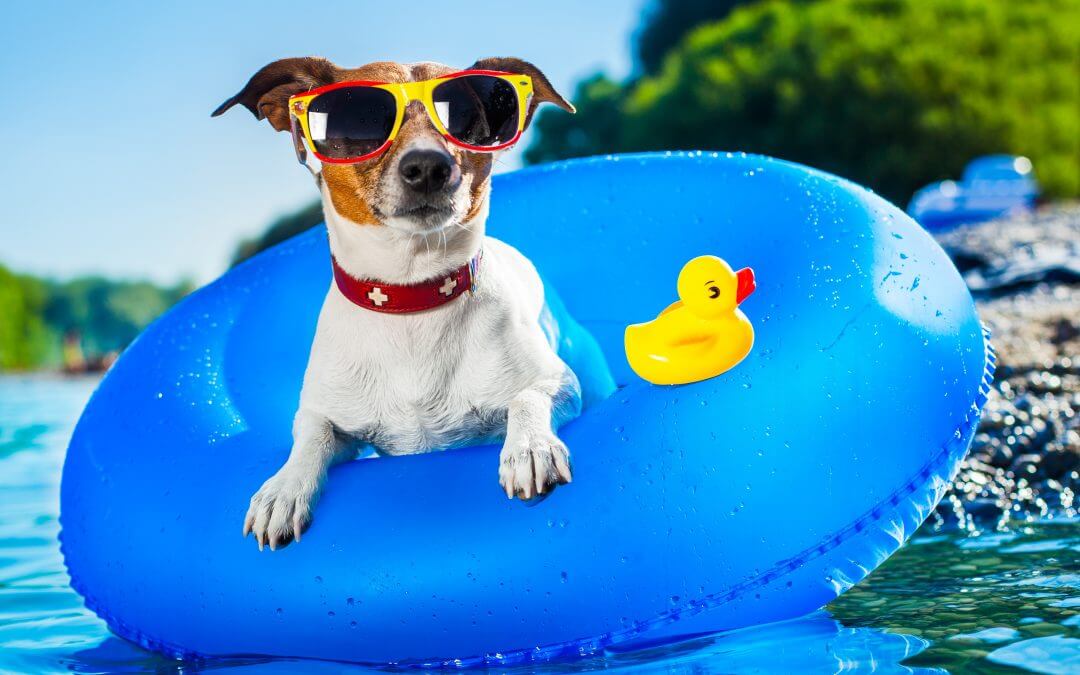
752,497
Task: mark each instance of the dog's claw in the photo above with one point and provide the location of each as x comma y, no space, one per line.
533,466
562,467
544,474
281,509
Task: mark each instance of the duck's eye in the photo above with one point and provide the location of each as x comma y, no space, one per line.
714,292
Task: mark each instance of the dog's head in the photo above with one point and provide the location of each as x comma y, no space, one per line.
422,183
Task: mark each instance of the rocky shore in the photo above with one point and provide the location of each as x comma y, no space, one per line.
1024,273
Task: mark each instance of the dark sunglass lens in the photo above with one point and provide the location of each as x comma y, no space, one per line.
478,109
351,122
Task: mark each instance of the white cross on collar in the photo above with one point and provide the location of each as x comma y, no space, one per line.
448,287
378,297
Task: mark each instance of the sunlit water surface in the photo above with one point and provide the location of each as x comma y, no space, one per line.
985,603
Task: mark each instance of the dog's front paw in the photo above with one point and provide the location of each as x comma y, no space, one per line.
532,465
281,510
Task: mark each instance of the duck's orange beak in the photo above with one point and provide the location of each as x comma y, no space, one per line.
746,284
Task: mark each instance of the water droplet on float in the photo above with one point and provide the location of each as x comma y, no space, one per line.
279,611
563,576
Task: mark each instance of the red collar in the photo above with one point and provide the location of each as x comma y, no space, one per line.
406,299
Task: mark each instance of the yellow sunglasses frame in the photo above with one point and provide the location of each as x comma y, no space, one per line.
404,93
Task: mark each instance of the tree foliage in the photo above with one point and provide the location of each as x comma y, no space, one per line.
666,23
106,315
23,335
890,93
595,128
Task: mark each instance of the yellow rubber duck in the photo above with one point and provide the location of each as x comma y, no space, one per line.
702,335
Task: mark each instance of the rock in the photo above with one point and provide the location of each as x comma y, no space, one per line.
1026,454
1002,456
1026,465
1064,331
1009,255
1057,463
983,510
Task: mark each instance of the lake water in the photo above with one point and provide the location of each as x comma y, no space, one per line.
986,602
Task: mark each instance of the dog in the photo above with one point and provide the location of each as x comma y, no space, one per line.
476,367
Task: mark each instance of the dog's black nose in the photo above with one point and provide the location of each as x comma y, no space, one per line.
426,171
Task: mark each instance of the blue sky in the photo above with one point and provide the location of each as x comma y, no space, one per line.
113,163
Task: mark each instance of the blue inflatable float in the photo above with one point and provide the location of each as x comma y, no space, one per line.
753,497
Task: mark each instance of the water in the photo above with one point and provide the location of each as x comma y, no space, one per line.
984,603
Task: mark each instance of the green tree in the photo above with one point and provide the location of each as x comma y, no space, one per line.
890,93
596,128
24,338
666,23
107,314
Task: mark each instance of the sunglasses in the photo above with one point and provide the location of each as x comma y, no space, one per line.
348,122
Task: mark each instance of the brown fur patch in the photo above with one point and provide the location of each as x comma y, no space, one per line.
480,169
352,190
267,93
379,71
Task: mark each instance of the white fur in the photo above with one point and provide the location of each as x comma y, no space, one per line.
476,368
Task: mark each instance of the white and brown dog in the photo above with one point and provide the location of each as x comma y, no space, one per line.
418,375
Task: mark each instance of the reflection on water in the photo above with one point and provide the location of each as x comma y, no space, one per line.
946,601
992,597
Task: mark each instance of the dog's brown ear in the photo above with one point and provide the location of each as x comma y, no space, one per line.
267,93
543,92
